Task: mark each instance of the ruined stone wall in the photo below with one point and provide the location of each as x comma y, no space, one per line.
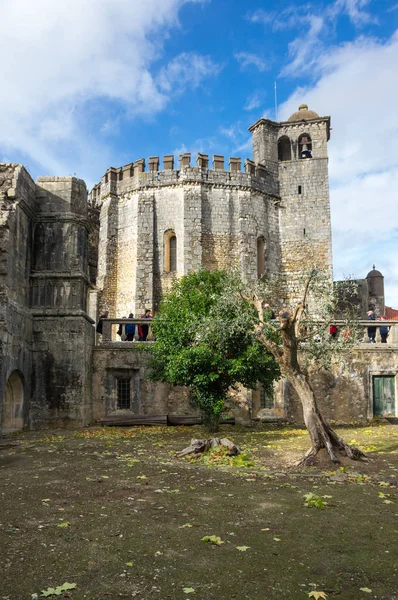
17,202
60,280
146,397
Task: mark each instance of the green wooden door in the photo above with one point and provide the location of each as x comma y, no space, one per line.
383,396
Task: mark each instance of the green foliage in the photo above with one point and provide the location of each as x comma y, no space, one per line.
205,340
314,501
218,456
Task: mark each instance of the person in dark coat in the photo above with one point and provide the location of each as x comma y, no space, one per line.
130,329
100,320
384,331
371,330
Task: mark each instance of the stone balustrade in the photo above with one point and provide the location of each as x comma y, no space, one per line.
110,327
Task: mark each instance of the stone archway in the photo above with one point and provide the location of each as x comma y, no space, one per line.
13,402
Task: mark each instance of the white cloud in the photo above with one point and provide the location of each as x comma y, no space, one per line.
357,88
261,16
64,56
254,101
248,59
315,24
354,10
188,69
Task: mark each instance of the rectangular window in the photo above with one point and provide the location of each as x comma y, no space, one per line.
300,189
123,393
266,399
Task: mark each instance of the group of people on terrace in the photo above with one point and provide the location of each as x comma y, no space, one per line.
384,330
127,331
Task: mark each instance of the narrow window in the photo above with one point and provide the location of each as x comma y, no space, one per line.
123,393
284,148
266,399
305,146
170,252
173,254
299,190
260,256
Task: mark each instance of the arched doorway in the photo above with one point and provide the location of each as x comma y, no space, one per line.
13,402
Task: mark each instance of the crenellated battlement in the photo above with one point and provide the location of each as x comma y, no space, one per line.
138,175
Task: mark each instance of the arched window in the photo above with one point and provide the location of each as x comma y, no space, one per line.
13,402
260,256
305,146
284,148
170,252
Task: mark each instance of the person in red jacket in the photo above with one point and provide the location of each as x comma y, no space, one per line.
144,329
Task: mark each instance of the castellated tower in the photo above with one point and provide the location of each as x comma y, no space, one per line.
157,225
160,224
296,150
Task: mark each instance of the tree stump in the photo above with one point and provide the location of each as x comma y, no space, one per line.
197,447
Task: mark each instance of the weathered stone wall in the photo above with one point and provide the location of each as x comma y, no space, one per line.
305,223
345,393
60,280
17,201
216,216
62,359
146,397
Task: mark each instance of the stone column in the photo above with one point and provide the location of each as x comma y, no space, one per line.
145,252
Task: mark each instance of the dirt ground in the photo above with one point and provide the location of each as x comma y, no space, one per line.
114,512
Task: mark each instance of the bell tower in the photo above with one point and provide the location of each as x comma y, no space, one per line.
305,225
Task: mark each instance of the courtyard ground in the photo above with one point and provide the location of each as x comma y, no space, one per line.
116,514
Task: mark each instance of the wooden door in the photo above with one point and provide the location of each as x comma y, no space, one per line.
383,396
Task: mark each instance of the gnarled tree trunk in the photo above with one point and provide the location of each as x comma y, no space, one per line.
321,434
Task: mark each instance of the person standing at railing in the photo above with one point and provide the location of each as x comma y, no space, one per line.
130,329
333,330
384,331
121,331
100,320
371,330
144,329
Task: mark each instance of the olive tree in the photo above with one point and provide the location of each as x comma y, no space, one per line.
206,340
299,339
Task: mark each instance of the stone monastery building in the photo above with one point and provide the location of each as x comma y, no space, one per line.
64,260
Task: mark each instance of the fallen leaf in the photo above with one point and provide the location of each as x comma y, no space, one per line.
184,526
317,595
212,539
365,589
277,539
266,529
129,564
188,590
64,524
58,590
242,548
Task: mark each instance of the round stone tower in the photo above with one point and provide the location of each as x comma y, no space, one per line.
375,282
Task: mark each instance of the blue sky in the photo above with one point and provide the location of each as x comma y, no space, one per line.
92,83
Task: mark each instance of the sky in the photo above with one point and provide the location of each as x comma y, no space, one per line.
88,84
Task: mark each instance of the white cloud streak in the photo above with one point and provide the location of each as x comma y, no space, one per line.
248,59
